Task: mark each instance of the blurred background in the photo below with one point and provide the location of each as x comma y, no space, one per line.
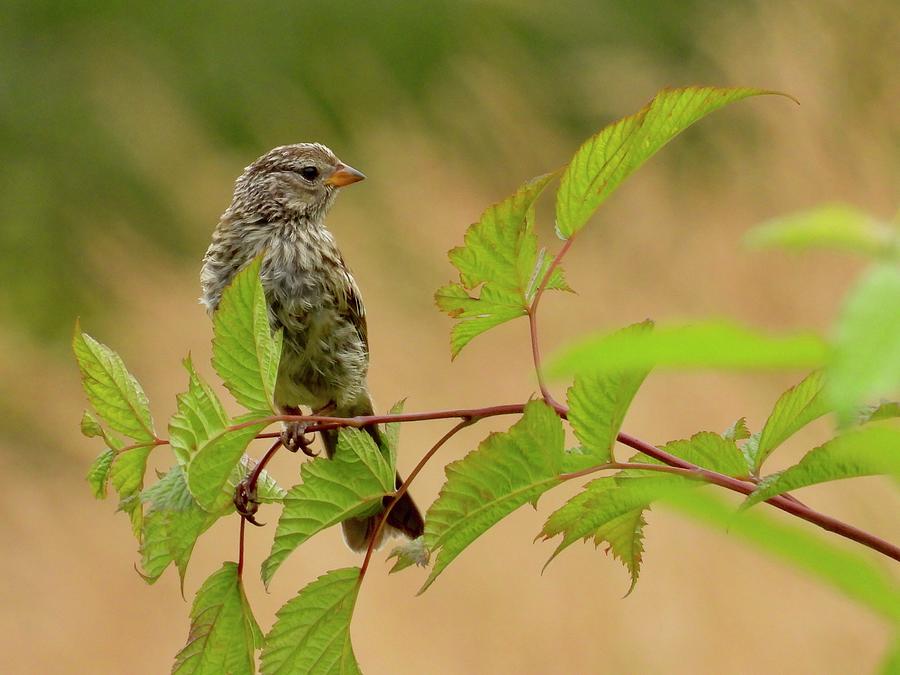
122,128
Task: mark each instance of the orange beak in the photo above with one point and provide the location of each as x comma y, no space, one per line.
344,175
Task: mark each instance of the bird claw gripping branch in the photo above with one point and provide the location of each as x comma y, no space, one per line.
294,438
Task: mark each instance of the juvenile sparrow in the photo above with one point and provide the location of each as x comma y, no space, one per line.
278,210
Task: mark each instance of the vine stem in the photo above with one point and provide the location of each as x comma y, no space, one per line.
532,322
240,569
261,464
470,415
322,422
404,487
780,501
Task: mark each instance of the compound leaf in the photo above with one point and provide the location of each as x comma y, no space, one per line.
500,256
597,406
224,636
114,392
870,450
127,477
611,510
312,631
350,484
172,524
707,450
507,471
199,416
613,154
796,408
245,353
214,464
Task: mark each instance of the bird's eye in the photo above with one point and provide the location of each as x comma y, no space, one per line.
309,172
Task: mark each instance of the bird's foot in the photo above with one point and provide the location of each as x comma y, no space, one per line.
294,438
246,502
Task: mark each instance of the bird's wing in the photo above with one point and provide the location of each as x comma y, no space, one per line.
356,310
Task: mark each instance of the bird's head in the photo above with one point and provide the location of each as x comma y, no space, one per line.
299,181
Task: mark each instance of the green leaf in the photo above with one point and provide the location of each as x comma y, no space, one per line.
350,484
90,427
245,353
867,451
214,463
597,406
112,390
312,631
199,416
507,471
127,477
891,663
476,314
611,510
124,467
866,359
832,226
390,433
98,475
224,635
609,157
172,524
737,431
711,344
409,553
500,255
796,408
707,450
883,411
846,569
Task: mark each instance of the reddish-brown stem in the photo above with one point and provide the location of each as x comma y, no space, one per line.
780,501
258,469
536,356
532,322
783,502
240,569
405,486
321,422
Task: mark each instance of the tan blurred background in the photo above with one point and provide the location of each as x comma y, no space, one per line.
122,128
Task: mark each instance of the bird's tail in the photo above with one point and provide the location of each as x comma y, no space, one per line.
404,517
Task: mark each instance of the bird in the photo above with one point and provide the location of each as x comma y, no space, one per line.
278,212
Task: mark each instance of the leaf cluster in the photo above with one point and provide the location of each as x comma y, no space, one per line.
502,273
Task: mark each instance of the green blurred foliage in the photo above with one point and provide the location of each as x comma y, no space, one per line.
251,75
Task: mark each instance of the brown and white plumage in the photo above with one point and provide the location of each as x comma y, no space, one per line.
278,211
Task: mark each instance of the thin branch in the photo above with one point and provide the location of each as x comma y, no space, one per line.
532,322
675,464
553,265
404,487
240,569
258,469
536,357
322,422
781,502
